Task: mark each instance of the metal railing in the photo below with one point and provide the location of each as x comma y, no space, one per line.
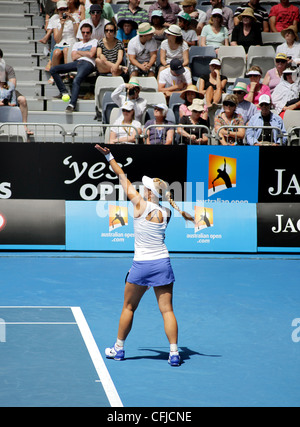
293,135
280,134
177,137
99,133
43,132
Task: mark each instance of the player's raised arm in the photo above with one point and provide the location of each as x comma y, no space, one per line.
133,195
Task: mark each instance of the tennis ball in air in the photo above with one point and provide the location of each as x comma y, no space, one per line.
65,97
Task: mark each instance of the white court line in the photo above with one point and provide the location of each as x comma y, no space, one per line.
90,343
40,323
96,357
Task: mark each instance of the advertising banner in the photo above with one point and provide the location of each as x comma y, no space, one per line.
279,175
108,226
278,227
80,172
218,174
32,224
99,226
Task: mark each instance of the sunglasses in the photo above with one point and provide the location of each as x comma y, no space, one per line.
109,31
86,32
95,12
239,92
282,61
264,104
228,104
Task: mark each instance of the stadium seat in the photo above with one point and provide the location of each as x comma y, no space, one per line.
262,56
199,59
291,120
273,39
103,84
148,84
233,60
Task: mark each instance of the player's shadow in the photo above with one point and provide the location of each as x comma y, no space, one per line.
185,354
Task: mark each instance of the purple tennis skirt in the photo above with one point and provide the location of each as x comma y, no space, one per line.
158,272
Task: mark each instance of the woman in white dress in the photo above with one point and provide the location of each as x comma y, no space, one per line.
151,264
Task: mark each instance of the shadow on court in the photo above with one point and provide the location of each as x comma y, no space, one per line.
185,354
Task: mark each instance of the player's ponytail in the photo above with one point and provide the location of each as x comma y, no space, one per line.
162,188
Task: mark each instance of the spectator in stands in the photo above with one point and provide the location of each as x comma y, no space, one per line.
83,56
132,93
286,94
125,134
133,11
189,34
76,7
265,117
96,21
198,17
291,46
159,135
273,76
127,30
245,108
7,89
65,26
170,11
215,33
10,76
227,14
174,47
193,135
157,22
50,10
260,14
188,96
247,33
213,85
107,10
255,88
7,92
142,52
110,53
282,16
227,117
175,78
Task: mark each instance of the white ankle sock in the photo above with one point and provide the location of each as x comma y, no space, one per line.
120,343
173,348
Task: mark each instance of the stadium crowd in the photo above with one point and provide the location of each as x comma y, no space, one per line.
128,40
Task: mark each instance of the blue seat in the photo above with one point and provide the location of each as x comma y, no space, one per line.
199,59
107,107
10,114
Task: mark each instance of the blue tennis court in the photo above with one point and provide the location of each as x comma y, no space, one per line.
60,310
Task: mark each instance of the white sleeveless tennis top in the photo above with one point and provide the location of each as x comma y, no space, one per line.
150,236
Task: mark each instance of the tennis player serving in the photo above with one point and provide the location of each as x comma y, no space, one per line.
151,265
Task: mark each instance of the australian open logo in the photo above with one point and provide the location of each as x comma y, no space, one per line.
221,174
204,218
118,216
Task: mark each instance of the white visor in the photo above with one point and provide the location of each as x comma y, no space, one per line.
253,73
149,183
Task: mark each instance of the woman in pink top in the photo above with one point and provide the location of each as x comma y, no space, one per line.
255,88
273,76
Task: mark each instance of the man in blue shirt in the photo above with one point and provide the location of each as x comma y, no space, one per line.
265,117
